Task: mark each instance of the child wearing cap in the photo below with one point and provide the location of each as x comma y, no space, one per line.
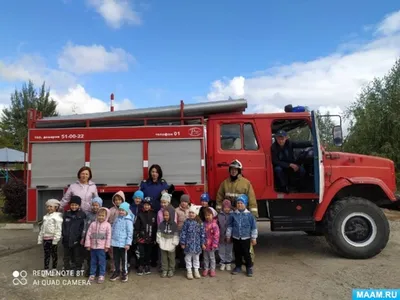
193,240
225,249
145,235
204,200
72,234
121,240
166,205
135,207
50,232
242,230
91,216
117,199
182,212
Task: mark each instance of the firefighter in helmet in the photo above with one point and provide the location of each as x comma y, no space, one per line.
235,185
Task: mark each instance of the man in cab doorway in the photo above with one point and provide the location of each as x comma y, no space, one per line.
284,162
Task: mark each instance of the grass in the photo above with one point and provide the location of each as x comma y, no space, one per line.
3,217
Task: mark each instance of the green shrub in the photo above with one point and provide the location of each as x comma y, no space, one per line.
15,199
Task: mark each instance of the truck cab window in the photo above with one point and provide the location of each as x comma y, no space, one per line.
250,140
230,137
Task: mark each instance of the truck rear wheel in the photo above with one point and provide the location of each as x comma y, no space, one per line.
356,228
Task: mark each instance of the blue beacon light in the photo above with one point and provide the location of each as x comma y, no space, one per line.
295,109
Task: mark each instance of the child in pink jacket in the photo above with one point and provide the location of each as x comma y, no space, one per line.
212,242
98,240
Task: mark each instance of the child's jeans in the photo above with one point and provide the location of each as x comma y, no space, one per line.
97,259
50,250
225,253
196,262
209,260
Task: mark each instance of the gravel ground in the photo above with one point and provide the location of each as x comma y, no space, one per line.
288,266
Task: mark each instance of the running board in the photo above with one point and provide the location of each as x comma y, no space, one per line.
292,224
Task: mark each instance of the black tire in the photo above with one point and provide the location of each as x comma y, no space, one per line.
368,221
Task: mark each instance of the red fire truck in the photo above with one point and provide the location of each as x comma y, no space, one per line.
340,195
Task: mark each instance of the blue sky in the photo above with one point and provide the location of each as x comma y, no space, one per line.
154,52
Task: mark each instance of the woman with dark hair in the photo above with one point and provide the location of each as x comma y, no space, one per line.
84,187
154,186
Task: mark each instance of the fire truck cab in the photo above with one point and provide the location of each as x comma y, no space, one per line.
340,196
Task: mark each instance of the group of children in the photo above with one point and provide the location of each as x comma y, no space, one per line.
191,233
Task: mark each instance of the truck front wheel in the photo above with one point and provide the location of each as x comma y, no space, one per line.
356,228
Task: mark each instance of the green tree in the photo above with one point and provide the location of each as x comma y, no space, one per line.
325,126
375,123
14,125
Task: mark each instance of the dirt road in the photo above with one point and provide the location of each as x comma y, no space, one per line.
288,266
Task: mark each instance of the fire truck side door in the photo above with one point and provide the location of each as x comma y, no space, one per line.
319,173
238,140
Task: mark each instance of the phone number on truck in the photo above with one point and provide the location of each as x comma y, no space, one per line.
58,137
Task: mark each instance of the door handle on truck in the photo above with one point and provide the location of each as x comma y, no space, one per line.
130,184
222,164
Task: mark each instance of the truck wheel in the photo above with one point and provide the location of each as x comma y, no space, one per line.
356,228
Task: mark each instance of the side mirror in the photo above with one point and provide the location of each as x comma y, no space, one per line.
337,136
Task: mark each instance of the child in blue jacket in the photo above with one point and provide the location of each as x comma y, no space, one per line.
121,241
242,230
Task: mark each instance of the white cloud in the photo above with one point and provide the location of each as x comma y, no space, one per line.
116,12
64,87
77,101
33,67
391,24
81,59
326,83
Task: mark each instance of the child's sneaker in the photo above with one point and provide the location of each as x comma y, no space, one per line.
114,276
212,273
189,274
124,277
91,278
100,279
228,267
164,274
170,274
236,270
222,268
197,274
205,273
249,272
140,271
147,270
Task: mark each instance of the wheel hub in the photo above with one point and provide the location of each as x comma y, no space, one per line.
359,229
